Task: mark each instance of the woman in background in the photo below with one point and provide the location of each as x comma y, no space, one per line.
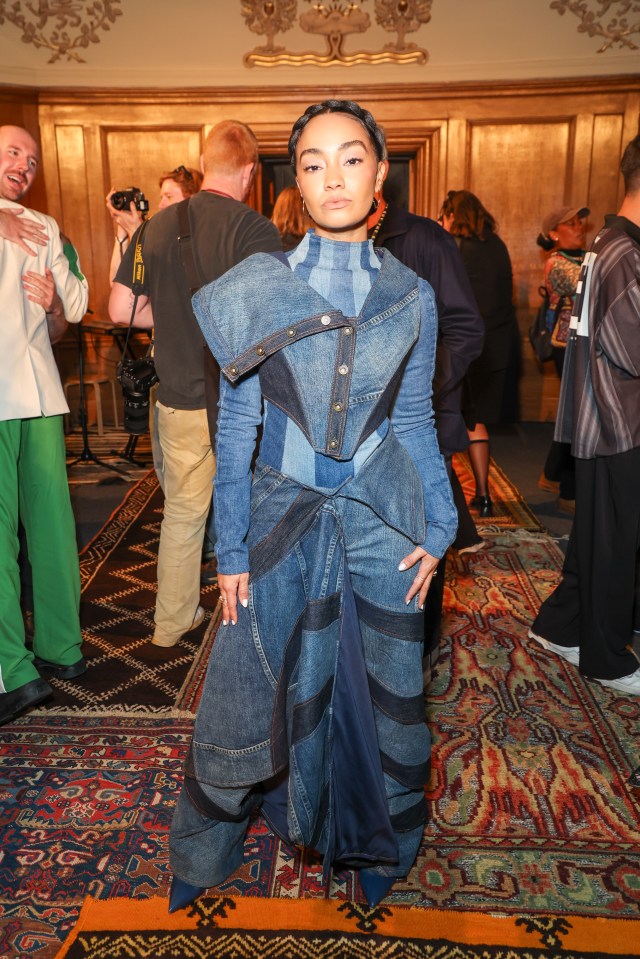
289,217
564,238
491,381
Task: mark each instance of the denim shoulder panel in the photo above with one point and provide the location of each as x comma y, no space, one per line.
255,308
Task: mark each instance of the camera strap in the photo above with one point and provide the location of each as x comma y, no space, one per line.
194,277
137,284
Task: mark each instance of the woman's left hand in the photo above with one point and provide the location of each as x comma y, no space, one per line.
234,589
424,574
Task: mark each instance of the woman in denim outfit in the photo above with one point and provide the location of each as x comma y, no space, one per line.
313,705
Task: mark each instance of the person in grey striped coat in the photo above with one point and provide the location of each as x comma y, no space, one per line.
589,619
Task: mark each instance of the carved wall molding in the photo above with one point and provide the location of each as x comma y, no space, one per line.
335,20
619,28
61,26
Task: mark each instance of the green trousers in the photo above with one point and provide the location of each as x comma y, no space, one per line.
33,485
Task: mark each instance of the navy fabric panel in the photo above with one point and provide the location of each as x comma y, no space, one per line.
405,710
306,716
292,526
412,818
279,746
407,626
362,830
275,804
415,777
277,385
273,437
320,613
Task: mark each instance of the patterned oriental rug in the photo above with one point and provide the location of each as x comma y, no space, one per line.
532,815
126,673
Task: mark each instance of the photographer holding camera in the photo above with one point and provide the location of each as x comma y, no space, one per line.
128,208
222,232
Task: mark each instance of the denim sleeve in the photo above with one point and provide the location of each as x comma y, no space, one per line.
412,422
240,413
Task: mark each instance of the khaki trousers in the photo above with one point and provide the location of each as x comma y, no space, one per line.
189,468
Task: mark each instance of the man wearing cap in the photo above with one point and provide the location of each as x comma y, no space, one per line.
589,618
563,234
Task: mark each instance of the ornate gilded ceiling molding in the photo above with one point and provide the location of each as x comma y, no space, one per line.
84,17
617,31
335,20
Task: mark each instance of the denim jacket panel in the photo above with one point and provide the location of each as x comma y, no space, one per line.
260,307
411,419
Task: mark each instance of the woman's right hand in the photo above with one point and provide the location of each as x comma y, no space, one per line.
234,588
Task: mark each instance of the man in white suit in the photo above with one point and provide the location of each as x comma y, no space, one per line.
37,289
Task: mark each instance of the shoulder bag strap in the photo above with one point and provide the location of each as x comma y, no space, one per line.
194,277
138,281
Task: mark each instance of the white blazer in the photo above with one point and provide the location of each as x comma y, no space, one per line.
29,379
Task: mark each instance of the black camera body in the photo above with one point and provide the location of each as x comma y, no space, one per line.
136,377
122,199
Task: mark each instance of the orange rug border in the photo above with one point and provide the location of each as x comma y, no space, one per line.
588,935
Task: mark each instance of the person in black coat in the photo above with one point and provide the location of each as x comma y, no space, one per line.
491,395
422,245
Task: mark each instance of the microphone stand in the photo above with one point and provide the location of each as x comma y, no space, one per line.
86,456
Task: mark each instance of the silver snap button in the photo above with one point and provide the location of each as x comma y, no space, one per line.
291,332
233,370
343,370
333,444
325,320
260,351
347,331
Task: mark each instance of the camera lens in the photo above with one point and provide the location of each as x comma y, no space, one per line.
136,412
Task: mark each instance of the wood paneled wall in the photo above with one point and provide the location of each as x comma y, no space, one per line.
523,148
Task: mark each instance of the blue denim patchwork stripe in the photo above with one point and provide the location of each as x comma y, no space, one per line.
415,776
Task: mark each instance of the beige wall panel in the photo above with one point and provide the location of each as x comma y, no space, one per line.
519,171
138,157
606,183
524,147
72,177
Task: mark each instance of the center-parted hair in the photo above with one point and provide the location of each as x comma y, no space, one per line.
348,107
229,146
288,213
470,217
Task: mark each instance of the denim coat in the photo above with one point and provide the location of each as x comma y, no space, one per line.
313,702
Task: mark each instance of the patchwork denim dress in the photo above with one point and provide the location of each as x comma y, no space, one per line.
313,705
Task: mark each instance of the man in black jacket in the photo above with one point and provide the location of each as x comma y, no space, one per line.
422,245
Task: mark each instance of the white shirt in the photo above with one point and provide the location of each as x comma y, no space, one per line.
29,379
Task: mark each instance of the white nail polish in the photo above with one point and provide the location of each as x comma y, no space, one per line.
245,602
402,566
224,622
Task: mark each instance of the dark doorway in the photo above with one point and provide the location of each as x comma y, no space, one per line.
277,173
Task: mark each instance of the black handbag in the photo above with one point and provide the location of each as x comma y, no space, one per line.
539,333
